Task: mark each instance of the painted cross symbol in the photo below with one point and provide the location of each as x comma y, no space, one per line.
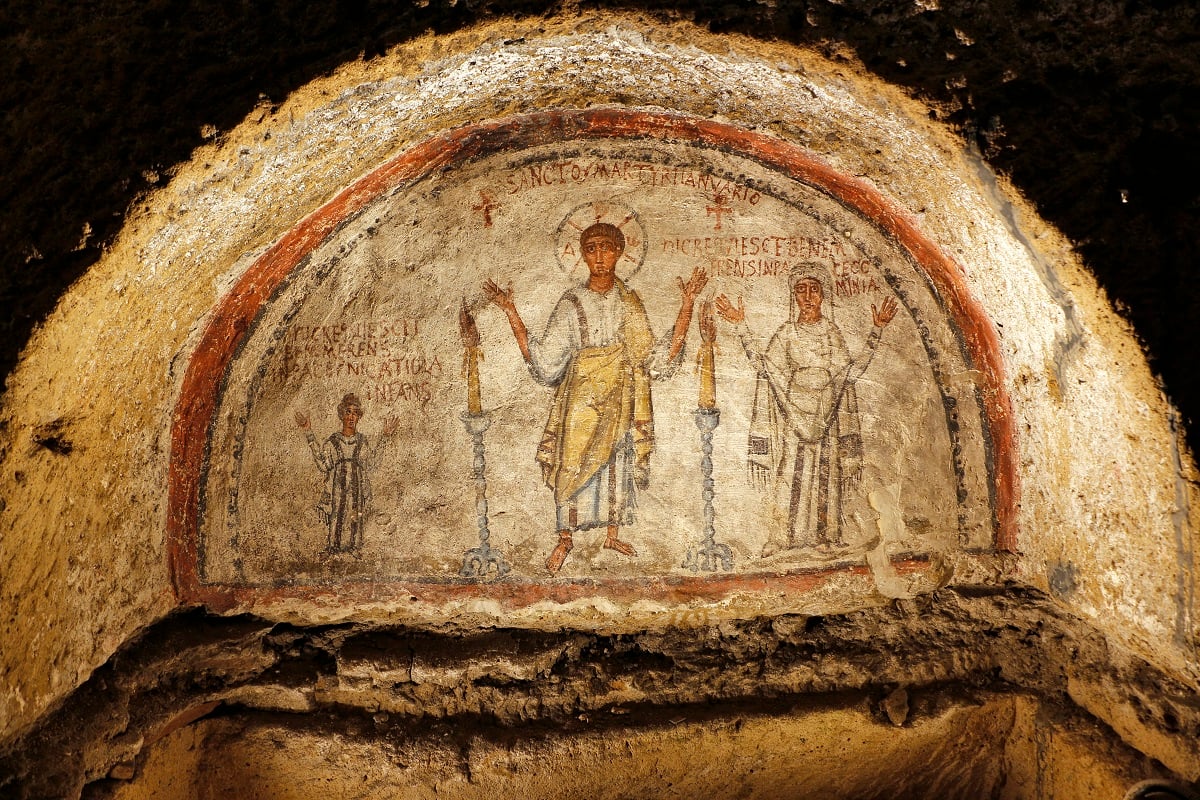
485,205
718,208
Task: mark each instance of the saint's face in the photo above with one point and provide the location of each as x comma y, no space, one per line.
350,417
808,294
601,255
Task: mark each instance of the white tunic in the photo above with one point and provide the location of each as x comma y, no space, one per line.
584,318
551,354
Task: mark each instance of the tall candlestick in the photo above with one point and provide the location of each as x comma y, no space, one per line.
484,560
709,555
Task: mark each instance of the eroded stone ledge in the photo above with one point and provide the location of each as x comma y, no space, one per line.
940,650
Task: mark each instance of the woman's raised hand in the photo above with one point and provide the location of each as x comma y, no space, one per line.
885,313
729,312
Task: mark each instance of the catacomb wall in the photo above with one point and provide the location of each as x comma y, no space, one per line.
155,431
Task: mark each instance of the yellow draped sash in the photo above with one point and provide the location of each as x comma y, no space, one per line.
604,395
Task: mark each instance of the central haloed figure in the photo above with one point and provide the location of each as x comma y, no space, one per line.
599,354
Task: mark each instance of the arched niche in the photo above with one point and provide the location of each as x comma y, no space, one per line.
149,363
876,436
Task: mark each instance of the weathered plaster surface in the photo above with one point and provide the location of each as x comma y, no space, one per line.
357,310
86,418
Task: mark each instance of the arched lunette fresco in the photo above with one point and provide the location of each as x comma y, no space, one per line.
671,174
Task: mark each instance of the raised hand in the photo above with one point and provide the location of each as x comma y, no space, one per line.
694,285
501,297
885,313
302,422
689,290
390,424
729,313
504,299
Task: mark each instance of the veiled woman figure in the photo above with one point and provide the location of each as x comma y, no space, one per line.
805,441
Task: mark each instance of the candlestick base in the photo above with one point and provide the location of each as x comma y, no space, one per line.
484,560
479,562
709,555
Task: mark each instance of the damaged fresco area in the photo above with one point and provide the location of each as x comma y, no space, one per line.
595,361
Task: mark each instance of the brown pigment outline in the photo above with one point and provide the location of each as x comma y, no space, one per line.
231,318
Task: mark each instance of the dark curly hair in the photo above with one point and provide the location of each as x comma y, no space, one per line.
603,230
347,401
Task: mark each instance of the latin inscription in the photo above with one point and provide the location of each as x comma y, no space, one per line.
560,173
774,256
383,357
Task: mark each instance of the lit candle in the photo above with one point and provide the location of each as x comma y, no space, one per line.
708,376
471,357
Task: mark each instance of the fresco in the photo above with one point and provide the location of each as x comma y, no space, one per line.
603,360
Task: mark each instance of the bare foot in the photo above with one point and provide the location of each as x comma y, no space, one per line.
559,554
624,548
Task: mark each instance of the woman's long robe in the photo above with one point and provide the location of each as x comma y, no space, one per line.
804,432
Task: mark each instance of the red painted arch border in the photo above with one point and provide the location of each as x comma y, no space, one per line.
231,319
